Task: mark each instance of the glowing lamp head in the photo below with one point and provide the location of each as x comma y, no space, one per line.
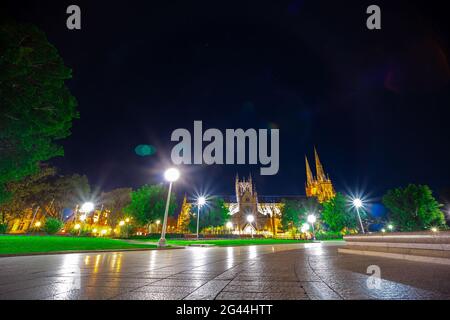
201,201
357,203
104,231
390,227
87,207
250,218
38,224
121,223
94,230
158,221
434,229
312,219
305,227
77,226
172,174
229,225
127,220
383,230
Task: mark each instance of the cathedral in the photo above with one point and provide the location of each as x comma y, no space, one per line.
265,211
320,186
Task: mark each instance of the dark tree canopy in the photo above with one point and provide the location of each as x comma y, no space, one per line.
148,204
36,106
46,189
413,208
337,215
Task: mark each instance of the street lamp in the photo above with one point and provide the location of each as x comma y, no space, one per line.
87,207
229,226
357,203
171,175
305,228
250,220
200,202
312,219
390,227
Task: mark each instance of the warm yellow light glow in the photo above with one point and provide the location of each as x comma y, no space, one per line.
434,229
104,231
121,223
229,225
383,230
38,224
158,221
82,217
390,227
127,220
250,218
77,226
94,230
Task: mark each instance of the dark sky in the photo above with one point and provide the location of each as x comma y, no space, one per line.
375,103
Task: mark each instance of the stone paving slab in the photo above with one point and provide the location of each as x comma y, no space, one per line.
262,272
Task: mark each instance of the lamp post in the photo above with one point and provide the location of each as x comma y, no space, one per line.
171,175
86,208
229,226
357,203
312,219
200,202
250,220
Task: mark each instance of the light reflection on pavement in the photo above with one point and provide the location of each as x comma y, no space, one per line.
279,272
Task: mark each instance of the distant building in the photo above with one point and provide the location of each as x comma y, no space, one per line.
265,210
318,186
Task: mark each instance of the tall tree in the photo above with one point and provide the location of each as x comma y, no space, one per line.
36,106
216,215
413,208
148,204
46,190
116,201
337,215
292,213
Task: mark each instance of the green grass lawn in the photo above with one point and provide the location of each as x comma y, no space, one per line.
35,244
229,242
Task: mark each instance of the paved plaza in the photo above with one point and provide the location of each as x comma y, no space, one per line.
294,271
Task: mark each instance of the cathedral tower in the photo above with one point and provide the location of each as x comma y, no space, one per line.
320,186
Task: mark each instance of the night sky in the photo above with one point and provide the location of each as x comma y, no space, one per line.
374,103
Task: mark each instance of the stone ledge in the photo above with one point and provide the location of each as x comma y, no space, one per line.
415,258
441,237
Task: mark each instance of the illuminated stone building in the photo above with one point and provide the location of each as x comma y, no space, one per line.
319,186
266,213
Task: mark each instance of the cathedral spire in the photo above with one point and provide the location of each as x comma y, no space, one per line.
309,175
321,176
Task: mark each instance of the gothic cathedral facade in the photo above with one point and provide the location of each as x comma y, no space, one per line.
318,186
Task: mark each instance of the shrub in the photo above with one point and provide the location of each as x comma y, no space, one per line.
3,228
328,235
53,225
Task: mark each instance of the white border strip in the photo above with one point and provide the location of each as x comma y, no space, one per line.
396,256
428,246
